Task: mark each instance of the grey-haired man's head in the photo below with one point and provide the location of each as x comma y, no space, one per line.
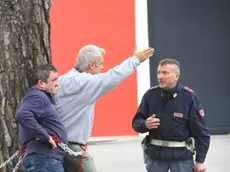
90,59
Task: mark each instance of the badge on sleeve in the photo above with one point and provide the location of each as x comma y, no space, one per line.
201,112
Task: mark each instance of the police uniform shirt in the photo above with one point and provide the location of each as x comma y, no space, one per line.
181,116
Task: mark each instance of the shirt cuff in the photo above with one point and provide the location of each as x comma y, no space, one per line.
136,61
199,160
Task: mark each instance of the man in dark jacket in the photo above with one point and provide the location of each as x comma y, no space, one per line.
38,122
174,118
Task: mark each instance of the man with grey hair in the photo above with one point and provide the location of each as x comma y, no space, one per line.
78,91
174,118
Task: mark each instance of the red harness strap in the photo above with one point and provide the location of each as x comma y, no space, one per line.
22,149
83,147
81,158
56,139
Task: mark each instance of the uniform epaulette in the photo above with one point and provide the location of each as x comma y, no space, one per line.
188,89
154,87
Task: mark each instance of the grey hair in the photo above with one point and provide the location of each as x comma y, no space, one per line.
88,54
173,62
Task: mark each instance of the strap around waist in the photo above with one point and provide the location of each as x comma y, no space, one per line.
165,143
75,143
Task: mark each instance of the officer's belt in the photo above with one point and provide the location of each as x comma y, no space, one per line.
165,143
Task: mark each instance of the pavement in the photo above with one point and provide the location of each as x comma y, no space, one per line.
123,154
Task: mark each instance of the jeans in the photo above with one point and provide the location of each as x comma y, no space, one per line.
42,163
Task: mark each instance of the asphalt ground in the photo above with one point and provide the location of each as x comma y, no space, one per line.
124,154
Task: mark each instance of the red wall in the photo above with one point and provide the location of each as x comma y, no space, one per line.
108,24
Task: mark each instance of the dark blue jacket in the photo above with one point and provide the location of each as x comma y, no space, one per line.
37,121
181,116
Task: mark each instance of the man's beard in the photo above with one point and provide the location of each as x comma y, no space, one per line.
163,85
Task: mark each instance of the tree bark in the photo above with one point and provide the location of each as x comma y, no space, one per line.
24,44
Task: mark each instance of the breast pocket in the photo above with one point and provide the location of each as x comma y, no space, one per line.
179,125
165,126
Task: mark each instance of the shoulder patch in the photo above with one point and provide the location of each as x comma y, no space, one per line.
188,89
154,87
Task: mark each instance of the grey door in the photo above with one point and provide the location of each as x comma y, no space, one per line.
197,34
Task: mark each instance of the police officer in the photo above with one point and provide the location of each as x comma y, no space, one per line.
174,117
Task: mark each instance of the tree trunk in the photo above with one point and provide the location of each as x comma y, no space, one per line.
24,44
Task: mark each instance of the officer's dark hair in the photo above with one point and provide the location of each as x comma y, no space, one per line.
171,61
41,73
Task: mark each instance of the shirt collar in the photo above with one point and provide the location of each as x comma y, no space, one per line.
175,89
